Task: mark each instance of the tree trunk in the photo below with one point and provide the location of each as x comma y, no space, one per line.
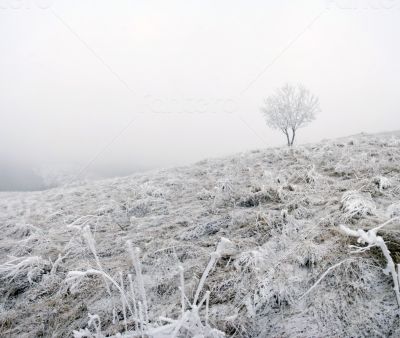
285,131
293,136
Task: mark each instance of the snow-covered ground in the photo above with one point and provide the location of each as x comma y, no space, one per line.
246,246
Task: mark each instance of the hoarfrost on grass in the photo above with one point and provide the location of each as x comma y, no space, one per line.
285,271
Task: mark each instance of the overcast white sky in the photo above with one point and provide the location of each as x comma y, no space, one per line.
192,74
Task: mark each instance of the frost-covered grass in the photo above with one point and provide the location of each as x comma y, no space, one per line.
372,240
356,204
142,256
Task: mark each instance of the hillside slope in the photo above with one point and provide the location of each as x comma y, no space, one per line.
280,210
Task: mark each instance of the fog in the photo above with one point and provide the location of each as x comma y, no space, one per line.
110,88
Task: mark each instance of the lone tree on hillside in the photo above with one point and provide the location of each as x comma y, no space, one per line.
290,108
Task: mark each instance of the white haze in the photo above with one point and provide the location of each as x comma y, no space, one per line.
191,74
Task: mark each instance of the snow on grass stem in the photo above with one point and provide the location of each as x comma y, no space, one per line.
323,276
179,324
222,246
370,237
73,275
189,322
74,278
182,280
135,314
57,263
207,306
22,265
214,257
141,317
91,243
123,300
134,253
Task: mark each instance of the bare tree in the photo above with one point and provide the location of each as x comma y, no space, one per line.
290,108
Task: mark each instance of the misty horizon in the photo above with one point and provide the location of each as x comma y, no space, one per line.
138,86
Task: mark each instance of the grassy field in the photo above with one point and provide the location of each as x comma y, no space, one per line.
243,246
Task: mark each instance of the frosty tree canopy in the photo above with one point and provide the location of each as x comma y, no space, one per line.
290,108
